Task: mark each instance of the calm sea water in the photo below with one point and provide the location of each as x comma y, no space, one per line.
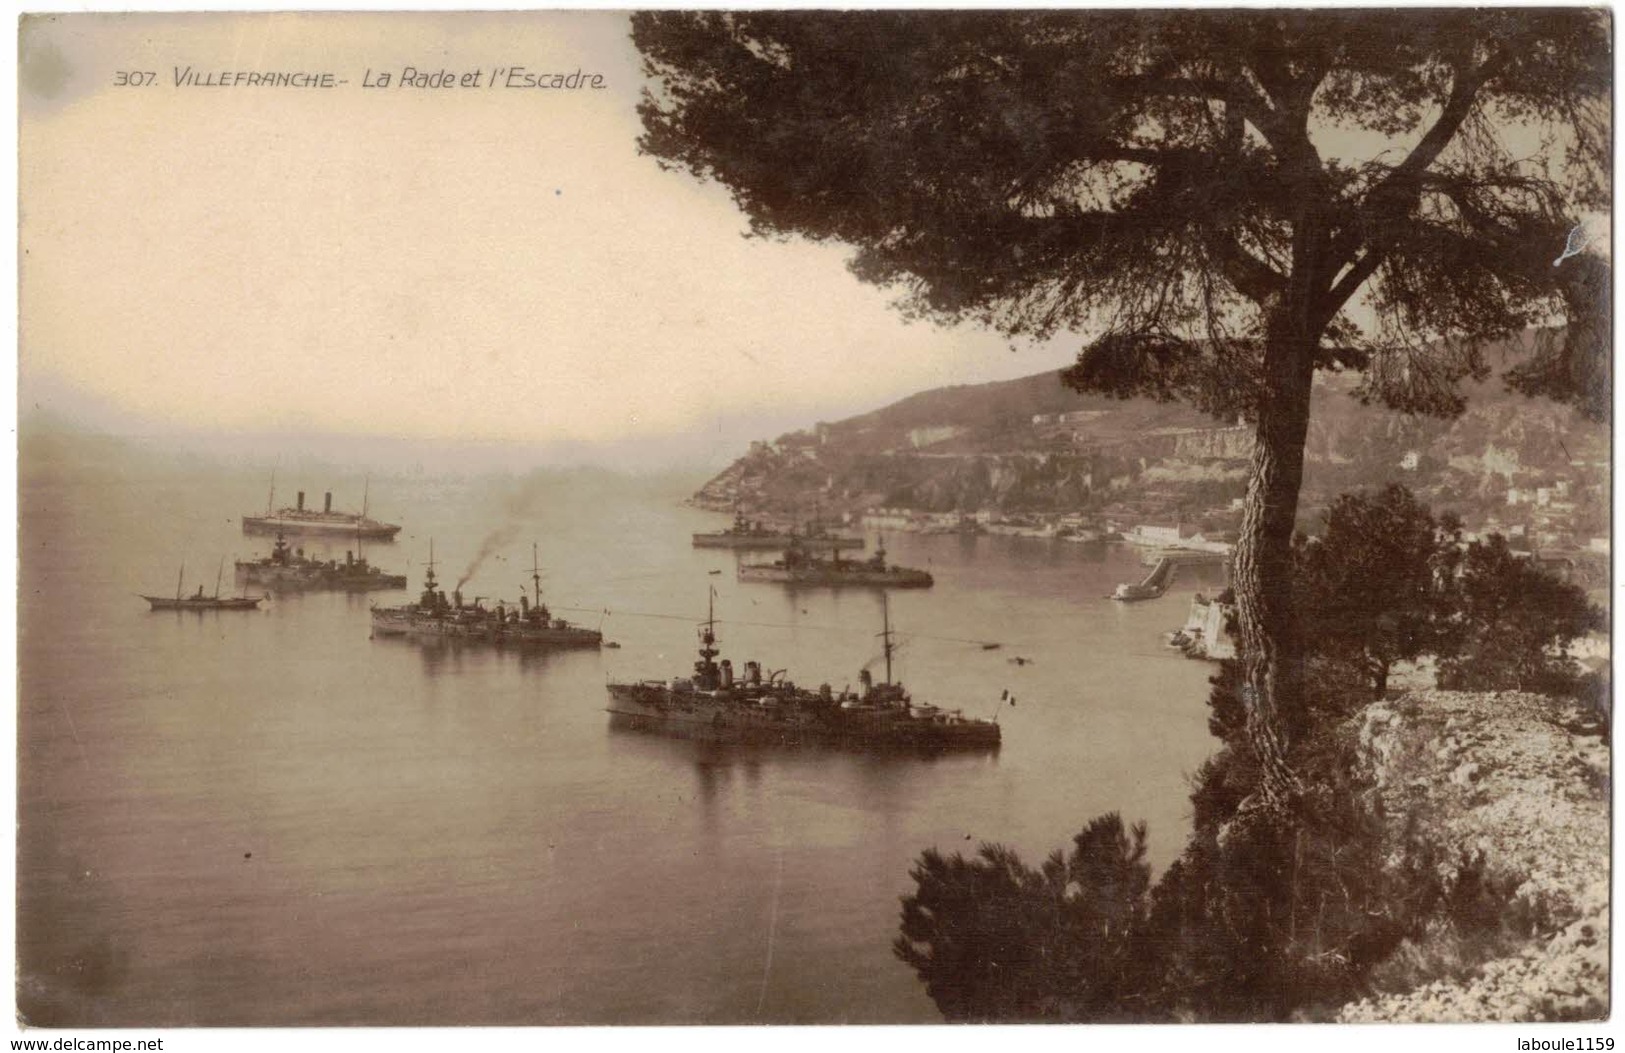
271,818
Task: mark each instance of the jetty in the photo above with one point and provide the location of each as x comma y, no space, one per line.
1154,585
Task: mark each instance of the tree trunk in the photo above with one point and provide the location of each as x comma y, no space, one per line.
1271,644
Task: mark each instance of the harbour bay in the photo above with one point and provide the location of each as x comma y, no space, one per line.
358,830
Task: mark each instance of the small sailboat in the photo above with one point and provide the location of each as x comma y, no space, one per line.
200,602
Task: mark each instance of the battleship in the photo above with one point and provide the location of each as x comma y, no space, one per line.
746,534
798,566
200,602
302,520
288,568
714,703
525,625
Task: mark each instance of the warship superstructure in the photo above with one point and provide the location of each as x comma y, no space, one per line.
290,568
714,702
527,624
752,534
798,566
302,520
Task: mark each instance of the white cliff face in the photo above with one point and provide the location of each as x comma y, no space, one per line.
1524,779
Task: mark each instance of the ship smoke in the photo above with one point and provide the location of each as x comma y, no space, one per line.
518,509
495,540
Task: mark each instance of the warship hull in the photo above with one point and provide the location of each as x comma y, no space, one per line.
854,576
316,579
721,716
506,634
771,542
287,568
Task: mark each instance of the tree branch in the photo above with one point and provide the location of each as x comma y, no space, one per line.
1252,277
1392,200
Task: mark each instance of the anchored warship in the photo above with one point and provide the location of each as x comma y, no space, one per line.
302,520
799,566
714,702
290,568
526,625
747,534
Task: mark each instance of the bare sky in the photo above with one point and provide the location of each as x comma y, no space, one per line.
490,264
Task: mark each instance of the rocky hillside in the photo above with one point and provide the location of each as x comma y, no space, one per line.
1525,780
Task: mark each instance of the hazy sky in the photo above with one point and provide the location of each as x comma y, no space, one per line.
486,264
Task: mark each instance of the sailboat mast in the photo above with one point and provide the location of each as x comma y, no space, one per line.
366,491
179,578
217,574
270,497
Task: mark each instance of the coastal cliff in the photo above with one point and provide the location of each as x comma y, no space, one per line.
1523,779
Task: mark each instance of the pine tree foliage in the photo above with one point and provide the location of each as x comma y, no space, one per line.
1219,203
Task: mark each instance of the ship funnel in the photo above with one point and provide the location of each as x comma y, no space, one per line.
327,501
524,603
865,680
457,598
301,500
753,673
349,558
727,673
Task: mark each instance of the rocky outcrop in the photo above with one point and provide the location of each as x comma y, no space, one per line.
1523,779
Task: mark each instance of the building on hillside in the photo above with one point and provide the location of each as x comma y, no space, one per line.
930,436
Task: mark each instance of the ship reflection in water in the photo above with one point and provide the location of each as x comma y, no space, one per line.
733,746
452,655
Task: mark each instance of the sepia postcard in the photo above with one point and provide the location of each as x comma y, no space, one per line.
891,517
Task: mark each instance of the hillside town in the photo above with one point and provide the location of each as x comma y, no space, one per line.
1112,472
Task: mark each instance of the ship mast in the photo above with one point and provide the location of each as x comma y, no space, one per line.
366,490
218,572
271,496
885,633
708,637
429,578
179,578
535,574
